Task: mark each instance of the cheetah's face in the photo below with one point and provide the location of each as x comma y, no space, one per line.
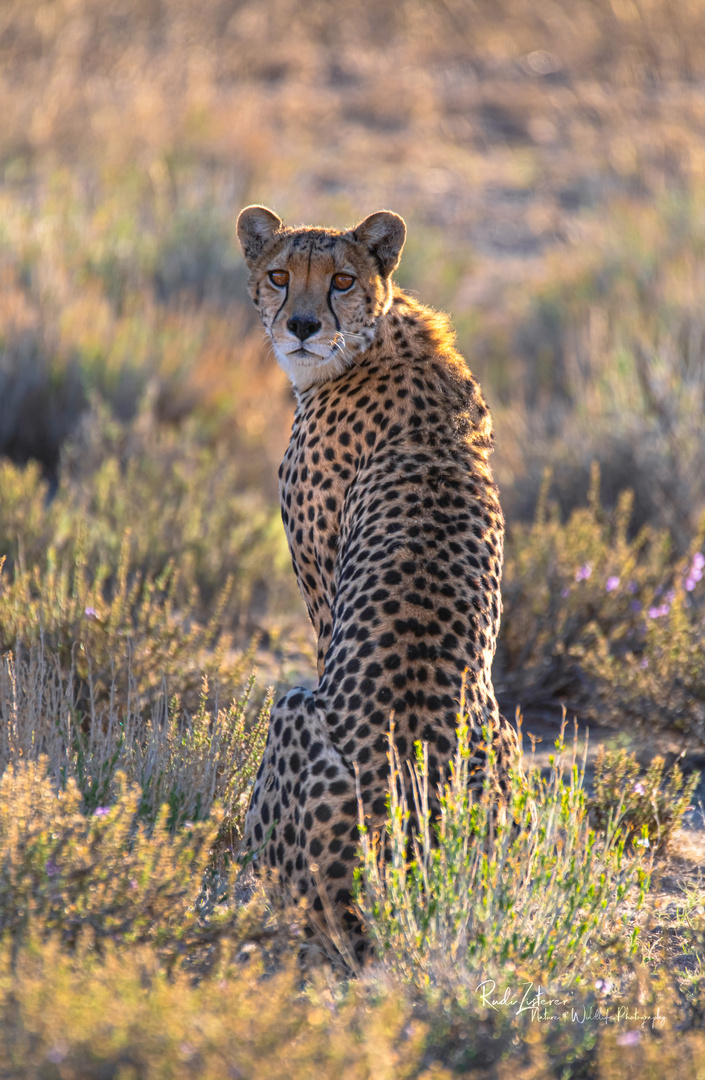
319,292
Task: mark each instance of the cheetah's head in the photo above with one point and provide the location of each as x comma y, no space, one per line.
320,292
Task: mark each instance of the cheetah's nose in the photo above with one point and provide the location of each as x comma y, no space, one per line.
303,326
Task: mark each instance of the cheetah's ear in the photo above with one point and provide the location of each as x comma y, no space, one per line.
256,226
383,234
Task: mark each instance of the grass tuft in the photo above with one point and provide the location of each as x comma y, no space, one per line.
520,882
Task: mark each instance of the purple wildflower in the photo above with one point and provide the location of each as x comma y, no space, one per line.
584,572
629,1038
52,868
695,574
612,584
644,663
91,613
658,612
57,1053
638,788
101,811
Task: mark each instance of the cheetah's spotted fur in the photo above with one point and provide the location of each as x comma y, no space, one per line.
396,533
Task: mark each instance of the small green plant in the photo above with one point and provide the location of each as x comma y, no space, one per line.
522,881
648,808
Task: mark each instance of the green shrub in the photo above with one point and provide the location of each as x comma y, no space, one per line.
611,624
63,873
524,882
656,676
186,760
121,956
648,808
135,643
561,580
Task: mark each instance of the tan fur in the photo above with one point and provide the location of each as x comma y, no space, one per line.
396,535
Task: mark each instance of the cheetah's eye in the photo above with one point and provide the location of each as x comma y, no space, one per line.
343,281
279,277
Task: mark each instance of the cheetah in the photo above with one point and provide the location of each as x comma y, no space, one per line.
396,537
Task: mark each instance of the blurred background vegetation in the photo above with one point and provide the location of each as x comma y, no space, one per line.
550,163
549,160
